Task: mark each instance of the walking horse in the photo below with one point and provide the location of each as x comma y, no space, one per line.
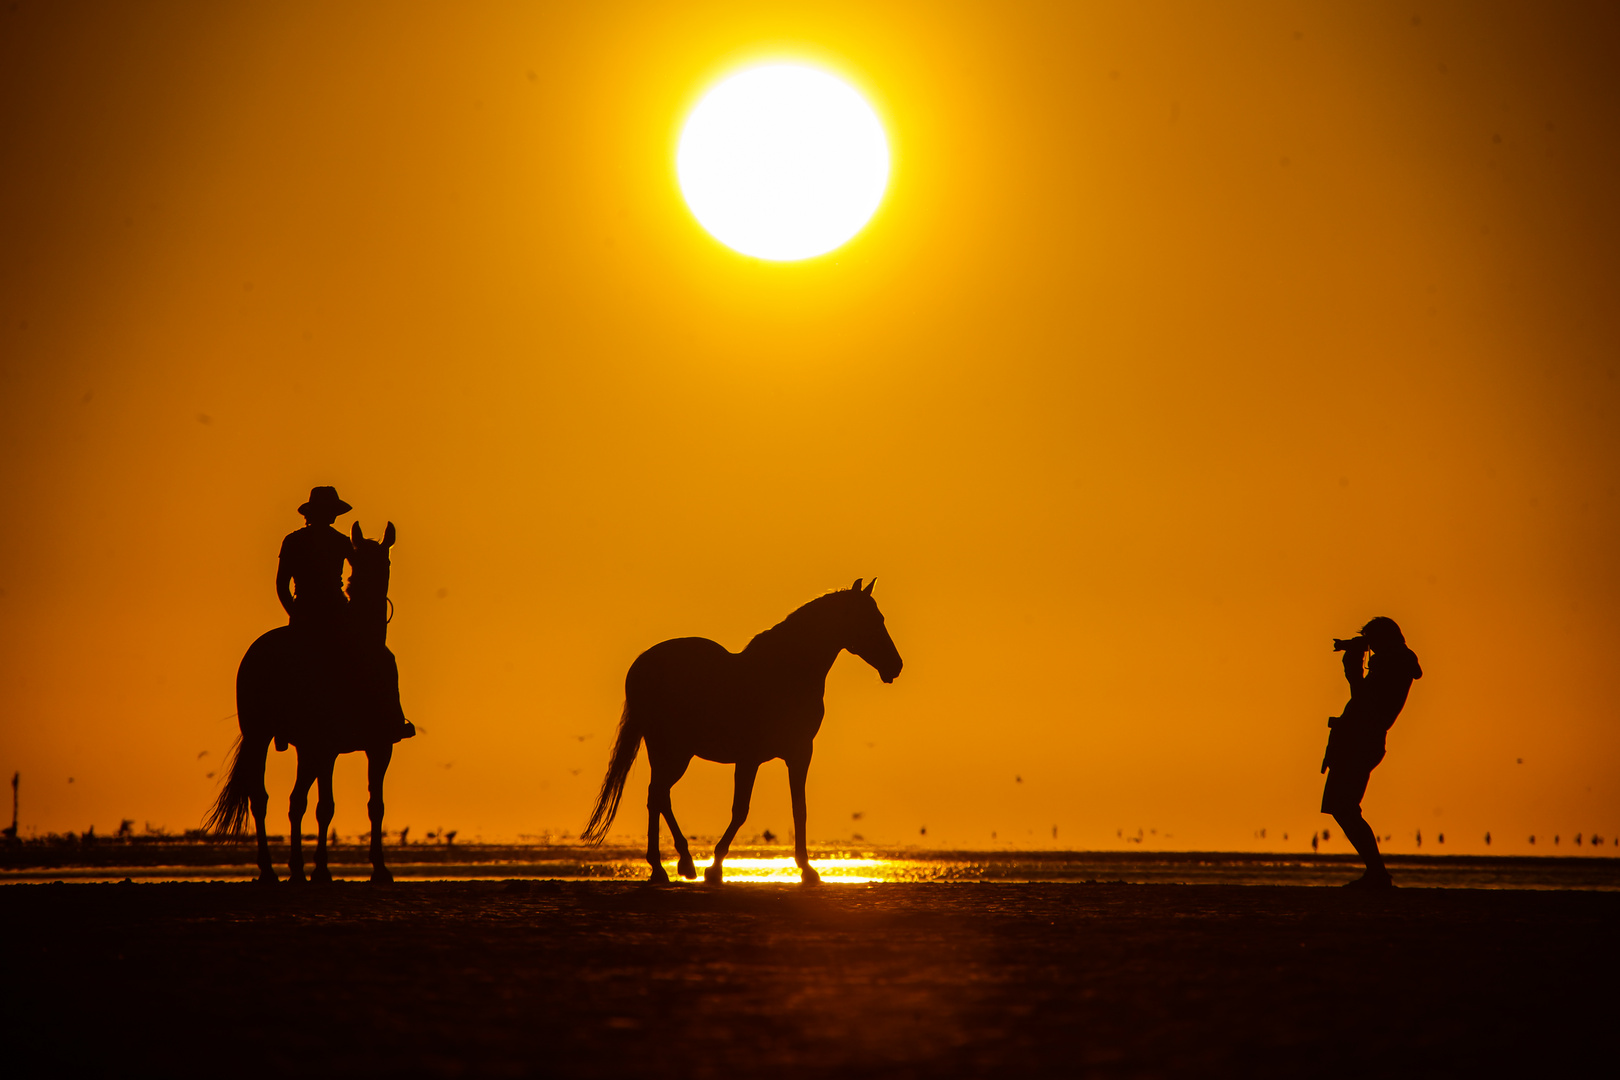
326,696
690,697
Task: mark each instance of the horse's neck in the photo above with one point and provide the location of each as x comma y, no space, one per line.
806,640
368,603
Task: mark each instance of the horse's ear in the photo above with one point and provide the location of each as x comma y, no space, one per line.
355,534
856,587
388,538
868,589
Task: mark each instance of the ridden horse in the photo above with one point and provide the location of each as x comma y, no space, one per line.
326,697
689,698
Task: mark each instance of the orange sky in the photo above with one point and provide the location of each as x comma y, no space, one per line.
1187,339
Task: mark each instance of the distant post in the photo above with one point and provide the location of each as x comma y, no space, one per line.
11,833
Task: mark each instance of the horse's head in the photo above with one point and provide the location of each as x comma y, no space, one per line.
866,636
370,559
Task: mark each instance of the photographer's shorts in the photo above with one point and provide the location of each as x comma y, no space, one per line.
1344,788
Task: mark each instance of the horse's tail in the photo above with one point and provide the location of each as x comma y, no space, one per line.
625,747
231,808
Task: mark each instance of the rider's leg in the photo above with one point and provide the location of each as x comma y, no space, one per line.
387,675
742,795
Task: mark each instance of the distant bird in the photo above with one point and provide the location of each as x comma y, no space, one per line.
1520,761
923,831
1532,838
581,738
770,837
1440,839
856,816
1487,839
870,745
574,772
448,764
201,754
70,779
1018,779
210,776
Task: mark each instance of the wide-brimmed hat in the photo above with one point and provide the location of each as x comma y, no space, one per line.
324,500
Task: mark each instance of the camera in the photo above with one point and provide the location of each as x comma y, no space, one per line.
1355,644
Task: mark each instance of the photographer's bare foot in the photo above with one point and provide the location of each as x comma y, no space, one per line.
1372,881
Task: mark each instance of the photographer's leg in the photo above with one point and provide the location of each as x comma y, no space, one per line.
1341,797
1359,833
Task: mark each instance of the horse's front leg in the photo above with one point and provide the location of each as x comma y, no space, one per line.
376,767
742,795
798,768
324,809
296,805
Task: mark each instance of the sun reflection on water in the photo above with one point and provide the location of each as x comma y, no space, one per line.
849,871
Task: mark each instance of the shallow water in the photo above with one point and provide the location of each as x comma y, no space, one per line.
837,865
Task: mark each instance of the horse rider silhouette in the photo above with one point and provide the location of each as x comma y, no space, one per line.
309,584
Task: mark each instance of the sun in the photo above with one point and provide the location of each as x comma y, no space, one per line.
782,162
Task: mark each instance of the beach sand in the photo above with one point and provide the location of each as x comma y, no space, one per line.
622,979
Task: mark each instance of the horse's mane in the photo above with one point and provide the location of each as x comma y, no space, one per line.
798,622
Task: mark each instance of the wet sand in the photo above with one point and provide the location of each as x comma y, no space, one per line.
621,979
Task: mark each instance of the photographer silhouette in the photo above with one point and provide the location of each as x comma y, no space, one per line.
1356,741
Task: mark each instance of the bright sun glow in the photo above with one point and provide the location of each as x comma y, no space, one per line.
782,162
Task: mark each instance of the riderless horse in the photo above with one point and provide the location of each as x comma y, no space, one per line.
690,697
326,697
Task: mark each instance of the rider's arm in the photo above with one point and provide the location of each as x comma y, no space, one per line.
284,587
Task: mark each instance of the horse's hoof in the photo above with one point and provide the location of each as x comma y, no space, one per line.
687,867
712,874
660,876
266,877
809,876
295,877
322,876
381,876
